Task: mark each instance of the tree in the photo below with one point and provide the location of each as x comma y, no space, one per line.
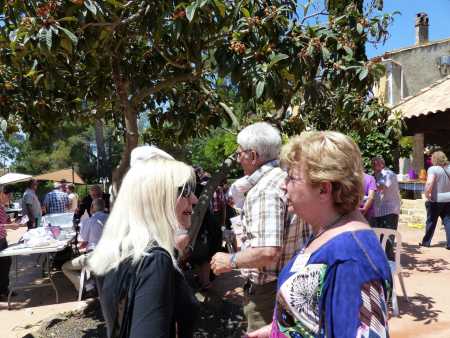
71,144
87,59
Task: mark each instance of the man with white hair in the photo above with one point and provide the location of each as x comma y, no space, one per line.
387,200
90,232
56,201
271,235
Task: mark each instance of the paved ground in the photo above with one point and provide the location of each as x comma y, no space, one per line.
427,272
427,314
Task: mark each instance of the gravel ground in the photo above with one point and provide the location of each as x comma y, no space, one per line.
218,318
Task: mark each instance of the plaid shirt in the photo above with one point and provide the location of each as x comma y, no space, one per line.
56,202
267,224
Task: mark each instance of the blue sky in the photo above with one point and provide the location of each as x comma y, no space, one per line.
402,30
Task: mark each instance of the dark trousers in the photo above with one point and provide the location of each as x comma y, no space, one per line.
5,265
434,211
388,222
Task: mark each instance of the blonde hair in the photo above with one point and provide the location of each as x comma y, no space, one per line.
143,214
439,158
329,156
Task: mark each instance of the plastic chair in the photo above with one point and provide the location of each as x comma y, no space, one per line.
84,277
396,268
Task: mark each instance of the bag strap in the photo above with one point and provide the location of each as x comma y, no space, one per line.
446,173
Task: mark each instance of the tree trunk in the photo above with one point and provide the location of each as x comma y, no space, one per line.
207,193
131,135
101,151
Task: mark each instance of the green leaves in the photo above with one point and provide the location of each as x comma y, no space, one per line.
275,58
190,11
260,89
69,34
362,74
91,6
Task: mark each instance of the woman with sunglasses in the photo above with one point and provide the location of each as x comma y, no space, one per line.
142,291
338,283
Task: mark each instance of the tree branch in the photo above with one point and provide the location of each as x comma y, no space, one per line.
170,62
322,12
224,106
99,24
230,114
167,83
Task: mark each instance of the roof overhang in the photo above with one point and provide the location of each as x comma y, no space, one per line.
430,100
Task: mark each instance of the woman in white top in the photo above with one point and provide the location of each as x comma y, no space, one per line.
73,198
437,193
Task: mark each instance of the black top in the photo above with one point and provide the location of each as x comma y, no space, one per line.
86,203
162,298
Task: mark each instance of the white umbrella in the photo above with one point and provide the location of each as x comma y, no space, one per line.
10,178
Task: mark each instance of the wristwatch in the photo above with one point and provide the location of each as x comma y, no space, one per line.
233,261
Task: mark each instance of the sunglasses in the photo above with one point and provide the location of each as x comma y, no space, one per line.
186,190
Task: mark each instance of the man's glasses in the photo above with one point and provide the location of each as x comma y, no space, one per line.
240,152
293,179
186,190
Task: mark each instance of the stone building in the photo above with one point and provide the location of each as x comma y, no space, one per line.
417,82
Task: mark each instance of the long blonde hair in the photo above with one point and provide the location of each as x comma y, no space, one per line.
144,213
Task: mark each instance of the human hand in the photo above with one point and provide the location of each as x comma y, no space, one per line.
263,332
14,226
220,263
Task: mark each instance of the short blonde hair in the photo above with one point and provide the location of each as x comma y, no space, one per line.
329,156
143,214
439,158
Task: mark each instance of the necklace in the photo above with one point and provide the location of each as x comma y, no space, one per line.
322,230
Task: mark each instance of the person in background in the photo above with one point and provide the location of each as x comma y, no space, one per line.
95,191
90,232
366,207
387,200
31,205
73,198
437,193
338,284
5,223
63,187
271,234
135,257
56,201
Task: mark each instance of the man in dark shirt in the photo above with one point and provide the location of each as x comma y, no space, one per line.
94,192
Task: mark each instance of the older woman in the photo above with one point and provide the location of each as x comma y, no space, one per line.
142,292
337,285
437,192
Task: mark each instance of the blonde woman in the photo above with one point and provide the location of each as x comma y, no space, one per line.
337,284
142,291
437,193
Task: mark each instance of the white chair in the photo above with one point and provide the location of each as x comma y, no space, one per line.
84,277
396,268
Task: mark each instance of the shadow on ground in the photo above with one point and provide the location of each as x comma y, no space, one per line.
420,307
218,318
412,259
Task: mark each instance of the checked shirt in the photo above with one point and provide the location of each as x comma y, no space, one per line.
56,202
267,223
